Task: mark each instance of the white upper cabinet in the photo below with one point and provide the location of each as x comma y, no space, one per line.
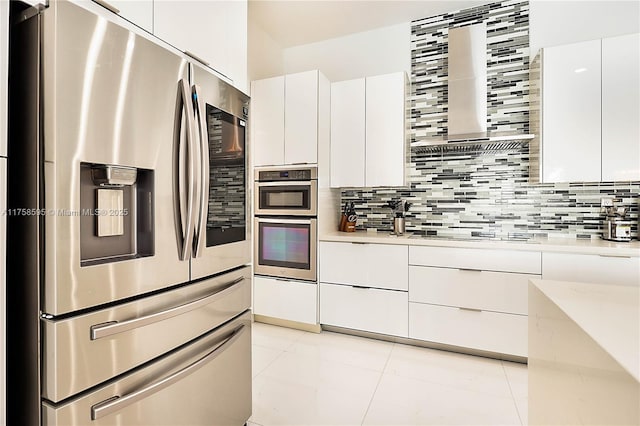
287,116
368,138
386,152
587,127
621,108
214,31
267,121
571,113
301,117
348,133
139,12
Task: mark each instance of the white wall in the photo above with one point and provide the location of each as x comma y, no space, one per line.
379,51
553,23
265,56
388,49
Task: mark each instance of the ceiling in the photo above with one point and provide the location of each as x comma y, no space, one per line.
295,22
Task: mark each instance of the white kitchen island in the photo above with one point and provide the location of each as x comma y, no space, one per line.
584,353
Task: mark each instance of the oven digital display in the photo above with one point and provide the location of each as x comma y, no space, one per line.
285,245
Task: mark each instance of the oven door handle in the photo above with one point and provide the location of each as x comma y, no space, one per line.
183,181
296,183
203,196
117,403
287,221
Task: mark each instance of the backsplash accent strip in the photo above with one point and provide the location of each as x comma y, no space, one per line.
483,190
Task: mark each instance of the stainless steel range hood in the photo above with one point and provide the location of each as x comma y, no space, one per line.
467,88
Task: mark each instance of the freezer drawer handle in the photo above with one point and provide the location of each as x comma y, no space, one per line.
110,328
117,403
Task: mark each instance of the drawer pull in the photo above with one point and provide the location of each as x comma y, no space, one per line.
358,242
469,309
615,256
98,331
469,270
361,287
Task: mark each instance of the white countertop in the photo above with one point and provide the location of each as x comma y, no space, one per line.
609,314
552,244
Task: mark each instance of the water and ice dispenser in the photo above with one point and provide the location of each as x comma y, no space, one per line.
116,217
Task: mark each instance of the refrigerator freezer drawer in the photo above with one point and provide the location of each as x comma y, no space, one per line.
86,350
207,382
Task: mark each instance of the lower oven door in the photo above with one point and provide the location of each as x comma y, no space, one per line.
207,382
286,248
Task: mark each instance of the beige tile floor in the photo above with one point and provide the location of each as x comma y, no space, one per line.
305,379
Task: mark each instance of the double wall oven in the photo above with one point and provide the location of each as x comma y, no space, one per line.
286,222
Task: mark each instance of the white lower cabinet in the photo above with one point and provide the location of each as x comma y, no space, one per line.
591,268
471,298
364,308
527,262
485,290
285,299
481,330
368,265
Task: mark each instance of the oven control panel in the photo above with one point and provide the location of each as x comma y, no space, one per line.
308,173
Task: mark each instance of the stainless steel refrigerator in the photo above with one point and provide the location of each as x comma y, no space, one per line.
128,278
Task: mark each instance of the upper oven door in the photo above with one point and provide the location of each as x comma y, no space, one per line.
286,198
223,234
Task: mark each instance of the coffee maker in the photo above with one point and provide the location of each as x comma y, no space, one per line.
615,226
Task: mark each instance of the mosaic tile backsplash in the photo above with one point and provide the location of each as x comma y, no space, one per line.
483,190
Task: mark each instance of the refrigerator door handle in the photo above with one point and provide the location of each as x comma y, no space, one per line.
117,403
184,205
201,224
99,331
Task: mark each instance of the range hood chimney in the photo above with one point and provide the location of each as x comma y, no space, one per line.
467,88
467,80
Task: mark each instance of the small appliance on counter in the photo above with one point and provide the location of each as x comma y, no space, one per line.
615,227
399,209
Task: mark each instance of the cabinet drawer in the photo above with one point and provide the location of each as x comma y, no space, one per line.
526,262
482,330
370,265
367,309
284,299
491,291
590,268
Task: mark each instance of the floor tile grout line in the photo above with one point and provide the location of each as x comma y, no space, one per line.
378,384
282,352
513,397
